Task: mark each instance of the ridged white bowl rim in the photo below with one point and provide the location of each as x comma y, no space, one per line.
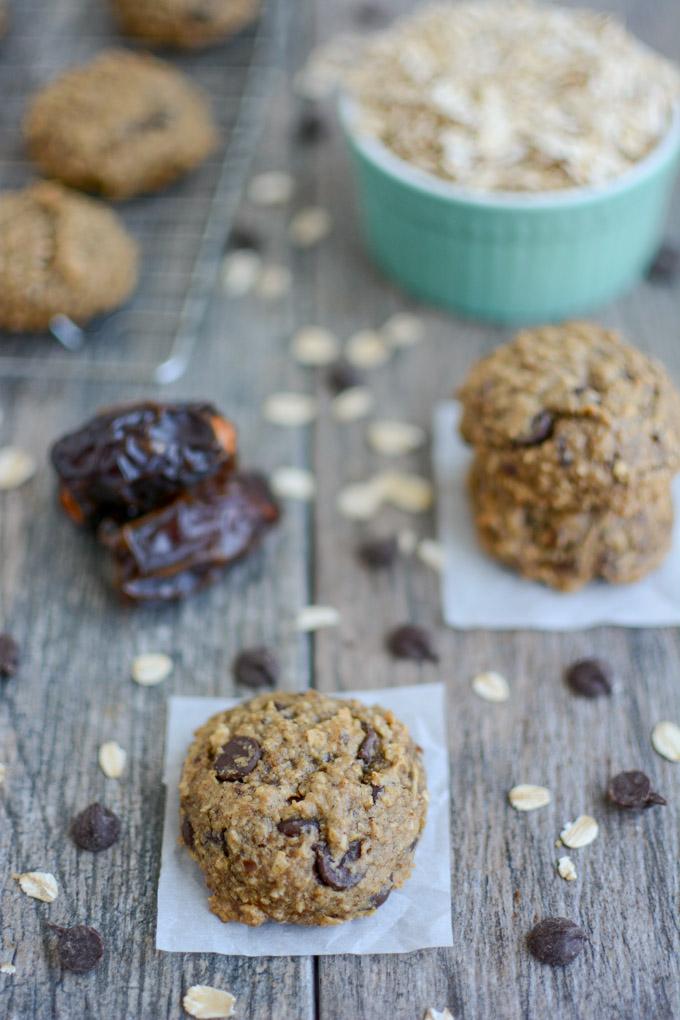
377,152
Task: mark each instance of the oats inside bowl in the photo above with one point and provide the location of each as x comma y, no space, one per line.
519,96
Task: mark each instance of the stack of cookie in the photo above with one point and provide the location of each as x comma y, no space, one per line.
576,438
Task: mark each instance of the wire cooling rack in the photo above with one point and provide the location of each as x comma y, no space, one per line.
181,231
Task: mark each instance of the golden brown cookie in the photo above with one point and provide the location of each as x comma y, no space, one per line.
302,808
124,124
185,24
566,550
572,418
60,253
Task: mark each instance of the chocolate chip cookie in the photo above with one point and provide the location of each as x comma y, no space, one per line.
568,549
572,418
124,124
302,808
60,253
185,24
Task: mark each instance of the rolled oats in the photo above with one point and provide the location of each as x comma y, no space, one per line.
16,467
579,833
519,96
112,759
312,618
666,740
526,797
40,885
315,346
366,349
151,668
393,438
566,869
309,226
491,686
352,404
294,483
207,1003
290,409
271,188
403,330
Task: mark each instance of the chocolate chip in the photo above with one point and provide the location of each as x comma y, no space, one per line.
187,832
666,266
376,791
214,838
591,678
379,898
411,642
337,876
9,656
556,940
342,376
80,948
256,667
378,553
310,128
540,428
96,828
370,745
297,826
237,759
243,236
633,790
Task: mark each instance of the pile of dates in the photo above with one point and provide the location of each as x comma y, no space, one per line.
159,486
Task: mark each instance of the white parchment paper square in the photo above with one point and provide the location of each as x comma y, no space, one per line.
478,592
414,917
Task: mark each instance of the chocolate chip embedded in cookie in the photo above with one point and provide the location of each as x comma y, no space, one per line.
185,24
60,253
567,549
572,418
302,808
124,124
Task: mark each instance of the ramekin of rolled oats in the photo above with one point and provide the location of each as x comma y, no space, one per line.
514,159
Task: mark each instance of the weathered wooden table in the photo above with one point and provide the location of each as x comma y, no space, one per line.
74,691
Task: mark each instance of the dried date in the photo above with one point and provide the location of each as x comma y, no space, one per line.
135,458
171,552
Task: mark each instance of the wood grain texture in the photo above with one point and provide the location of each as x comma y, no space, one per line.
74,691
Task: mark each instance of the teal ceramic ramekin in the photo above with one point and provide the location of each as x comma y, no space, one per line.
507,257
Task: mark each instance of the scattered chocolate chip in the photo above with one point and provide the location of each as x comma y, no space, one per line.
540,428
342,376
9,656
556,940
376,791
368,749
378,553
80,948
96,828
297,826
591,678
666,265
337,876
379,898
237,759
243,236
310,128
411,642
187,832
633,790
256,667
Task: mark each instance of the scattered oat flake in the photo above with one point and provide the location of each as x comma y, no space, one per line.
438,1014
240,272
394,438
40,885
3,773
16,467
491,686
112,759
293,483
151,668
362,500
566,869
410,493
431,553
273,281
290,409
309,226
352,404
316,617
207,1003
526,797
366,349
403,330
7,968
315,346
579,833
272,188
666,740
